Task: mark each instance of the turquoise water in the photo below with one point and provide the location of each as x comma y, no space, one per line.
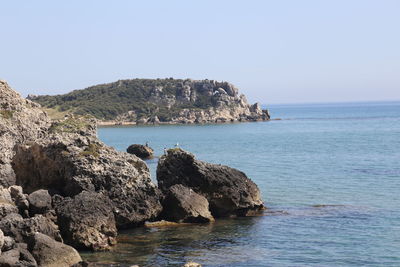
329,174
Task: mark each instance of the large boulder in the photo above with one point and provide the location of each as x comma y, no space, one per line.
39,202
50,253
71,160
21,121
229,191
182,204
141,151
87,221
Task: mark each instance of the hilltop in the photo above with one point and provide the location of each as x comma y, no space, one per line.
143,101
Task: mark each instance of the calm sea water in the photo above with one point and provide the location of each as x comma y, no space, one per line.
330,175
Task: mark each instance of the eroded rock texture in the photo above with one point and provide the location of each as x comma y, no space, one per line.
229,191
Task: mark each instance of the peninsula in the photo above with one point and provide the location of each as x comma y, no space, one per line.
156,101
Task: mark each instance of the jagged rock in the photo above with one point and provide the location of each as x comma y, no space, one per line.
20,199
21,121
141,151
18,256
19,228
182,204
87,221
39,202
68,163
229,191
50,253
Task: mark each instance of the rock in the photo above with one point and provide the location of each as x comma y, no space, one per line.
67,163
182,204
21,121
18,256
192,264
50,253
7,208
141,151
19,228
39,202
229,191
19,199
9,243
1,240
87,221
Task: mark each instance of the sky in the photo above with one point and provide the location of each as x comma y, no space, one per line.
273,51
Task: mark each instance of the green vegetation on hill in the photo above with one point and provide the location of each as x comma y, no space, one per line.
107,101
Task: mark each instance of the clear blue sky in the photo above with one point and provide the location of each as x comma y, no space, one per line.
275,51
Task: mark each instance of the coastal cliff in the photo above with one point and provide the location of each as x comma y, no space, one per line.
157,101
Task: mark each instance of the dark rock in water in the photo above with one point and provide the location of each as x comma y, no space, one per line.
141,151
182,204
87,221
229,191
48,252
39,202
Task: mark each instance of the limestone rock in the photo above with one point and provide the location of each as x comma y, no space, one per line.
87,221
141,151
182,204
21,121
229,191
50,253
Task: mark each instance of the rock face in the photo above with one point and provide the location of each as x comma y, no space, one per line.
141,151
229,191
87,221
21,121
182,204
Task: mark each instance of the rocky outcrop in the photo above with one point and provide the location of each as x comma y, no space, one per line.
21,121
68,163
86,221
182,204
141,151
68,181
17,233
229,191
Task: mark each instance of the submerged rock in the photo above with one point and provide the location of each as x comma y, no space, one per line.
229,191
182,204
141,151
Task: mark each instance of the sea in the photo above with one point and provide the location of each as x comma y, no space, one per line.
329,175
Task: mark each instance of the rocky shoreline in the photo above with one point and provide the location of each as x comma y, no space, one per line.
63,190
